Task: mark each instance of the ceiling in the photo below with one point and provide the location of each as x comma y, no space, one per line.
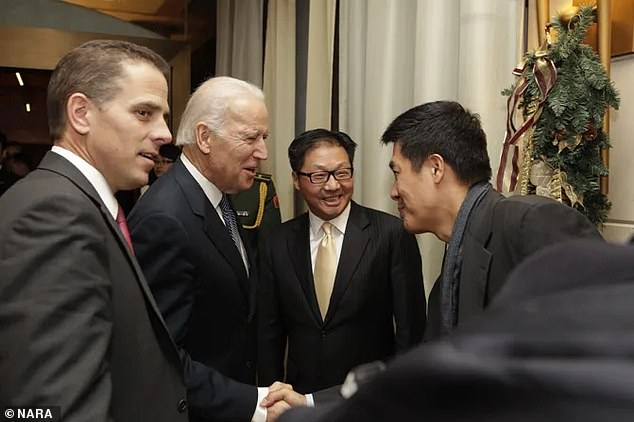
166,17
192,21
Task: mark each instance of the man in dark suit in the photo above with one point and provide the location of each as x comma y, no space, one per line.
341,283
555,345
79,328
442,173
200,269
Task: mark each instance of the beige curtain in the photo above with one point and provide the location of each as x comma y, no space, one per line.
279,88
321,40
239,39
397,54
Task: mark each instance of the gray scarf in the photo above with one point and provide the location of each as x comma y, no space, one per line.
453,259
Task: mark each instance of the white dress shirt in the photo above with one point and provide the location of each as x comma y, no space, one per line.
95,178
338,223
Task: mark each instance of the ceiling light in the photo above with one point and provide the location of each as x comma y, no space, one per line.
17,75
28,107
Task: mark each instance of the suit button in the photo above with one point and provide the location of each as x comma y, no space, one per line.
182,406
249,364
323,333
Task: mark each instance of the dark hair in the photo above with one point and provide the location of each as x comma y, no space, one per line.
94,69
447,129
310,139
3,140
170,151
21,157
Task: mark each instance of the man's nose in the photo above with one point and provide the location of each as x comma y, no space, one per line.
162,134
331,183
394,192
261,151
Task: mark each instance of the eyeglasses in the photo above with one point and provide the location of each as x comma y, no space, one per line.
321,177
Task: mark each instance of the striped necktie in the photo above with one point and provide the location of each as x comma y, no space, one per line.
230,220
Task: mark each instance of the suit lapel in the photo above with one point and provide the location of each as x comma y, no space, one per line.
477,261
54,162
212,224
299,251
252,276
355,242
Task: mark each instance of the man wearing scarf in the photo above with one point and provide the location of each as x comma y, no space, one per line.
442,171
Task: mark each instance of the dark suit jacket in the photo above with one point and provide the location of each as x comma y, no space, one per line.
378,282
555,345
201,286
501,232
78,326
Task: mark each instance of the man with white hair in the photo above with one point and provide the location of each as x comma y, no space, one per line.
193,253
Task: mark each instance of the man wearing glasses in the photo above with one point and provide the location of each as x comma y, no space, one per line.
342,284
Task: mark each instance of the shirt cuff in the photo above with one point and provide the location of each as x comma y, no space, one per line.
259,415
310,401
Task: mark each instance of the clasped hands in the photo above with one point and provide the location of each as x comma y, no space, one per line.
281,397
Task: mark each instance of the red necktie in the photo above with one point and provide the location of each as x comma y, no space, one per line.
123,226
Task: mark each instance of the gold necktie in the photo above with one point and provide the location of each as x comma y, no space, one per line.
325,269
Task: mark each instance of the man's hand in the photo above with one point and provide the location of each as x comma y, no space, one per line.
287,395
278,385
276,407
275,410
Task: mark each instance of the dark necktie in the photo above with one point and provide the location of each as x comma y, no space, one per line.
230,221
123,226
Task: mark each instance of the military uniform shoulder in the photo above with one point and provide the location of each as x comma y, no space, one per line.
263,177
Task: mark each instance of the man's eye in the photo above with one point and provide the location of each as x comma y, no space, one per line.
254,138
143,113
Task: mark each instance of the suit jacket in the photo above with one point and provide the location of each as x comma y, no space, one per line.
501,232
378,282
201,286
78,326
555,345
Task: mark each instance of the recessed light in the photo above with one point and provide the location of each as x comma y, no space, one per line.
17,75
28,107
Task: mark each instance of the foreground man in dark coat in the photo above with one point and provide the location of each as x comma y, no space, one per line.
555,345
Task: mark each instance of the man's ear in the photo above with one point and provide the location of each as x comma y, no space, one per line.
77,109
295,180
203,137
437,166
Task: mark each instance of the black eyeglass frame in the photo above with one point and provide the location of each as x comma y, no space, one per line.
332,173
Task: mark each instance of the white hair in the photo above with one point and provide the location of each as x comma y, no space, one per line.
209,104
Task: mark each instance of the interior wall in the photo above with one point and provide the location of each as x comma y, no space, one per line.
620,225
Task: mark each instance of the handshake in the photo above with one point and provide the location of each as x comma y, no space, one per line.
281,397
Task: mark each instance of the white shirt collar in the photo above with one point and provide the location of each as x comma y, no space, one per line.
339,222
211,191
95,178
